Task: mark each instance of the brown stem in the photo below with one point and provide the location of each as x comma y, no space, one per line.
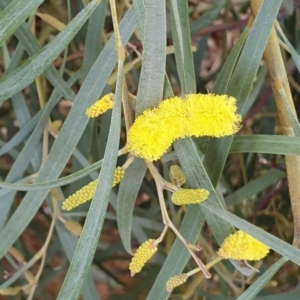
279,81
160,184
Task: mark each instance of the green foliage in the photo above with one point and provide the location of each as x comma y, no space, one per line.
50,75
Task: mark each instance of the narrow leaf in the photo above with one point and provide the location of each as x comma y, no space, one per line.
88,240
127,194
260,282
68,136
182,44
150,88
36,65
14,15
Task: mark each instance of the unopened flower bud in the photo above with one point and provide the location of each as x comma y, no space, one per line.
100,106
177,175
175,281
30,277
141,256
16,254
10,291
81,196
189,196
87,192
118,176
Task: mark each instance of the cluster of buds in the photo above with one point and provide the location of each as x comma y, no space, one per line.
189,196
87,192
100,106
142,255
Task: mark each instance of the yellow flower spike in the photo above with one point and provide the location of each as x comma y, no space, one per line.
118,176
175,281
87,192
154,131
212,115
242,246
100,106
81,196
177,175
73,227
189,196
142,255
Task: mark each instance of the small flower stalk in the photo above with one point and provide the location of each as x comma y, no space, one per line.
87,192
196,115
189,196
142,255
176,281
241,246
100,106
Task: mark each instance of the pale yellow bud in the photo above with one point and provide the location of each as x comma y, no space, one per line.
10,291
81,196
16,254
100,106
189,196
175,281
141,256
118,176
87,192
177,175
30,277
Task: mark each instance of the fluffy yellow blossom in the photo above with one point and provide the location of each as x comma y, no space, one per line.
211,115
241,246
141,256
189,196
100,106
87,192
177,176
175,281
154,131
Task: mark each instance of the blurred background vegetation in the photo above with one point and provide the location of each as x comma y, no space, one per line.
36,100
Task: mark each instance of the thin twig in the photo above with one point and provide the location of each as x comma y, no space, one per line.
160,183
42,252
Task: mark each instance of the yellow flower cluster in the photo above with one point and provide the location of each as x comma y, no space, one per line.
118,176
177,176
87,192
175,281
241,246
141,256
81,196
100,106
189,196
196,115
